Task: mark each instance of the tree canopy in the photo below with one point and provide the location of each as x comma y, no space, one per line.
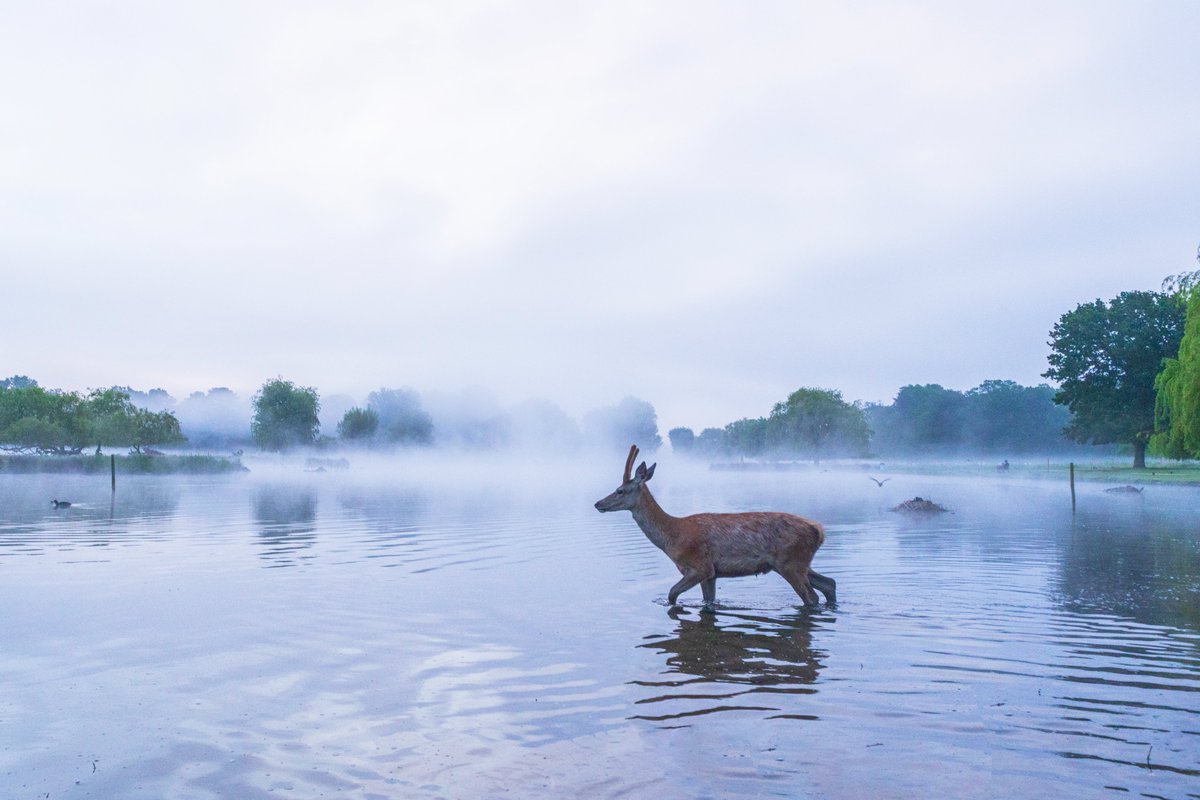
1177,402
402,420
36,419
818,422
285,415
1105,357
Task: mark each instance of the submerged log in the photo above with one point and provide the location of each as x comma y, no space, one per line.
1126,489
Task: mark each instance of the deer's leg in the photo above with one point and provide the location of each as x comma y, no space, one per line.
689,580
709,587
827,586
798,579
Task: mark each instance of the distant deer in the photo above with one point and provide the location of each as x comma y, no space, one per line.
709,546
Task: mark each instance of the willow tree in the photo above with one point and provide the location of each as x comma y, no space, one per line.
1177,403
818,422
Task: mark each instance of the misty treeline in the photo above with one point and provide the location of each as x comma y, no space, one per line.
33,419
1128,372
998,416
283,415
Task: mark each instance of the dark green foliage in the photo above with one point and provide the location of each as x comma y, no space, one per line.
1003,416
34,419
358,425
816,423
920,419
1105,357
285,415
1177,401
402,420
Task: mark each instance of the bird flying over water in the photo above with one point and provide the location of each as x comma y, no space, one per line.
879,482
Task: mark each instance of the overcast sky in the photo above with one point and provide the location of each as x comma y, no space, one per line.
706,205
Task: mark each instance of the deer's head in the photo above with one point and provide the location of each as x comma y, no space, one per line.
627,494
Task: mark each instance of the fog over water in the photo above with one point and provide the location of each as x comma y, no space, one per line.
689,203
447,627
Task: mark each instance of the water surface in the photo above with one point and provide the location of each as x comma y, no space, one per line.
384,634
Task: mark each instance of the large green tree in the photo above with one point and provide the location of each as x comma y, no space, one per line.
285,415
818,422
1105,357
1178,387
33,418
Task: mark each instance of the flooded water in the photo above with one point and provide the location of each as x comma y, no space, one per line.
391,635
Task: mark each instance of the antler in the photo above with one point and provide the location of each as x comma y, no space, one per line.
633,451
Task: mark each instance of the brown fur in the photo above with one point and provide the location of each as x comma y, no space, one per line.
709,546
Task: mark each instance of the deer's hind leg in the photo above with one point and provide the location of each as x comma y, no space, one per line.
686,582
797,577
826,586
709,587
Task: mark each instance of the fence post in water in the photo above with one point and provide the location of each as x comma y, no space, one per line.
112,463
1072,487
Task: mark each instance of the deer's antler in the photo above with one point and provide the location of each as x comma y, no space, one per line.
633,451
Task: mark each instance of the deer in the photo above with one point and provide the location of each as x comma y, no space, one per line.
709,546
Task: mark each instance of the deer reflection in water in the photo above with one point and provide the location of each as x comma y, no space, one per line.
716,662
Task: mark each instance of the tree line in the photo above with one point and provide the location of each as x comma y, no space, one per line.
1128,373
998,416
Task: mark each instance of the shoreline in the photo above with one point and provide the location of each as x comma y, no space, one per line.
131,464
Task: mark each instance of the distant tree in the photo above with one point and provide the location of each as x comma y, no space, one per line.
358,424
114,420
1105,357
928,417
32,418
218,418
711,442
285,415
1004,415
541,424
18,382
1177,387
682,440
746,437
818,422
631,421
402,420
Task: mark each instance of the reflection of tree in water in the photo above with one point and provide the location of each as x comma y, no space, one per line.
1145,568
715,662
286,516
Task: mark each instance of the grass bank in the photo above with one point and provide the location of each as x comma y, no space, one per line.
133,464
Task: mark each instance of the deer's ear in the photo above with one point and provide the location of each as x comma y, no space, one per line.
650,472
644,474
